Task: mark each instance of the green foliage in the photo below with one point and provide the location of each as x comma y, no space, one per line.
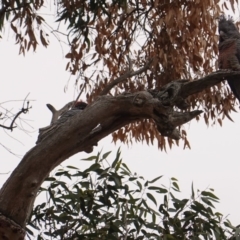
78,14
108,201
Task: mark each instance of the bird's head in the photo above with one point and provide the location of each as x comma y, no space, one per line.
227,29
80,105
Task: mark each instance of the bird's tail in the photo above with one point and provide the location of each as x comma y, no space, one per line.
234,84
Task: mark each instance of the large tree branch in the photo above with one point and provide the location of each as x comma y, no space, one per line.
83,130
210,80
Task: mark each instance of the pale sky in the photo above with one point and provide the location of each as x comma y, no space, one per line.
212,161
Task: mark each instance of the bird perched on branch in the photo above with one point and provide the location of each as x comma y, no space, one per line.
44,132
78,106
229,51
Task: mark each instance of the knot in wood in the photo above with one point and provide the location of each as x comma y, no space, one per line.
139,100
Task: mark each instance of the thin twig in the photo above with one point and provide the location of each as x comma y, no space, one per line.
23,110
8,149
80,93
126,75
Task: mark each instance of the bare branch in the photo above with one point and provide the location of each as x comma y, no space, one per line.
9,150
175,92
80,93
23,110
210,80
126,75
6,127
129,64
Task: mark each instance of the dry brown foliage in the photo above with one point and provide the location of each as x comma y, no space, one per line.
175,39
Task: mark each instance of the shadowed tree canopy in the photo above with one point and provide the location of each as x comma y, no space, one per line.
141,66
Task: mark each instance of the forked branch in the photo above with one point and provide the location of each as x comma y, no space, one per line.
163,113
23,110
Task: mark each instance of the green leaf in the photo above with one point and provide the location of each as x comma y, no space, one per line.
227,223
158,189
237,232
118,165
162,190
155,179
105,155
139,185
198,207
50,179
89,158
116,178
154,218
169,237
165,200
93,167
218,214
150,196
209,194
65,173
137,226
29,231
116,159
183,202
123,172
126,167
85,184
176,186
132,179
72,167
172,210
42,205
193,193
206,200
